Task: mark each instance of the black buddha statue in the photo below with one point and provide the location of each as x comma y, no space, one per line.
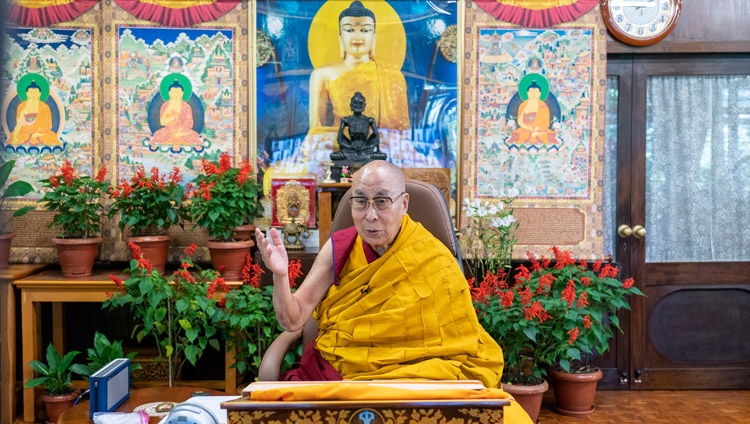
363,143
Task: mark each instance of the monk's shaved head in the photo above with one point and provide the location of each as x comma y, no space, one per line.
392,172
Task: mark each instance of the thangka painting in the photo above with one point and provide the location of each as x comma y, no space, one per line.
535,128
176,100
47,109
313,56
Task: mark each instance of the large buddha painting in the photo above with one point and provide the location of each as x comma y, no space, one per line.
533,126
175,97
47,114
313,57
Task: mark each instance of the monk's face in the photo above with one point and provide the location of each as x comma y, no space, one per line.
379,228
357,35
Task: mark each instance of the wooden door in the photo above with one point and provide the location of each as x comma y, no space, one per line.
684,191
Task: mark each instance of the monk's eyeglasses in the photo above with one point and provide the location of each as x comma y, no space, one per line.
380,203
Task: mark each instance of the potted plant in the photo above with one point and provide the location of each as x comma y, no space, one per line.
103,352
14,189
55,378
148,205
576,307
76,202
488,243
224,198
249,323
178,311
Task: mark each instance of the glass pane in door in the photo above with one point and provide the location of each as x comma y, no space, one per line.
610,165
698,168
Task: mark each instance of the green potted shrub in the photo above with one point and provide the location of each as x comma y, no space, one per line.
103,352
55,378
148,205
76,203
14,189
224,198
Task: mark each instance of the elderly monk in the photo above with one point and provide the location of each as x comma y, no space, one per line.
390,299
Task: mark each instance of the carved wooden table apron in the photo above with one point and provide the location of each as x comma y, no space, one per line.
245,411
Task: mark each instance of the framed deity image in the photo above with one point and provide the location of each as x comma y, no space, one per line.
533,126
293,199
313,56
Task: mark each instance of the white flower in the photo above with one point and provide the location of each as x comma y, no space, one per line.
504,221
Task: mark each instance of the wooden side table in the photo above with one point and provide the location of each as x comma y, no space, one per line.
325,207
8,333
79,414
50,286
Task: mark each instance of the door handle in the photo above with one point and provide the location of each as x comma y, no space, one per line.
639,231
624,231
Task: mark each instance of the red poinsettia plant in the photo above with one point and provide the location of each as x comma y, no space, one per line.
76,201
554,313
149,204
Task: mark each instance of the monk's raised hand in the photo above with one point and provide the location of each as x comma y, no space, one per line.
272,251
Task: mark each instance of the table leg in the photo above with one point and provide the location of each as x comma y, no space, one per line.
230,374
325,216
58,329
30,346
8,353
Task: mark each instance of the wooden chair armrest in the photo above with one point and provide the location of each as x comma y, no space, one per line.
270,365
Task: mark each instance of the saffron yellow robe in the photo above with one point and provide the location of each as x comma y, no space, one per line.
36,128
408,314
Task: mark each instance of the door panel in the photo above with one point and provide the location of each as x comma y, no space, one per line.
689,186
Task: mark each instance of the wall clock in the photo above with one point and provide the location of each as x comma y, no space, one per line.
640,22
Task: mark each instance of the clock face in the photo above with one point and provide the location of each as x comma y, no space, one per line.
640,22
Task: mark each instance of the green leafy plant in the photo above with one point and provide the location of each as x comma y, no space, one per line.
149,204
76,201
179,311
55,375
557,313
225,197
249,322
487,242
14,189
103,353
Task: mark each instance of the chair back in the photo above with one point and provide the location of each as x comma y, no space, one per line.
426,205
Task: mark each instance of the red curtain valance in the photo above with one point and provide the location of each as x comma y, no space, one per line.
177,13
536,13
42,13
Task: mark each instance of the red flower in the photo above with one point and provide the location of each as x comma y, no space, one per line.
569,294
135,250
582,300
295,271
68,173
507,299
628,283
101,174
573,335
587,322
54,182
586,281
190,249
116,280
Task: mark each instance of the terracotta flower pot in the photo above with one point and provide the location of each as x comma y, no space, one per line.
229,257
155,249
77,255
5,241
244,232
574,393
529,397
56,405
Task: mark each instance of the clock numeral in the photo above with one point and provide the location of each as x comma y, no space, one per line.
653,28
628,27
619,18
640,31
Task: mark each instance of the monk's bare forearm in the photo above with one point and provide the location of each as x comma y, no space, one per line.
284,303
